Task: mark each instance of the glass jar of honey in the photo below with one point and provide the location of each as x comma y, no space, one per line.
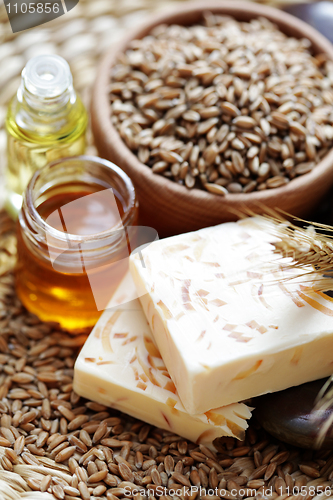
76,229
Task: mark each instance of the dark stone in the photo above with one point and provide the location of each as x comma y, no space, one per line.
287,415
318,14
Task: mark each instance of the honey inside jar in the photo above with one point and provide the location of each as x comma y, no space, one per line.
73,240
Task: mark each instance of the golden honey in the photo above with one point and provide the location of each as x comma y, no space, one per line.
46,120
73,240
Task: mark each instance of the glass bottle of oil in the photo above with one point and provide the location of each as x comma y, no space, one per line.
46,120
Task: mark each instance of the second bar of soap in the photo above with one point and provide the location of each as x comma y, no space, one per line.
120,366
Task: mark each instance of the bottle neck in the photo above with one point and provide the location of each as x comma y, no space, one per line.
37,117
41,105
45,98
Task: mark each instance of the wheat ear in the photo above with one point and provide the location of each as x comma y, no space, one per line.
304,249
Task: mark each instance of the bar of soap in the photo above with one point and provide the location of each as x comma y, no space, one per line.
228,325
120,366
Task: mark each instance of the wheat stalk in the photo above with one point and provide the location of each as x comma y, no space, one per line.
324,402
305,250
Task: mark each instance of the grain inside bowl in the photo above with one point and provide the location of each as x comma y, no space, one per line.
226,106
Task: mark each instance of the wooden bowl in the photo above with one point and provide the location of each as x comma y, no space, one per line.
171,208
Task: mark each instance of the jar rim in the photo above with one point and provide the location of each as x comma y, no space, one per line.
77,238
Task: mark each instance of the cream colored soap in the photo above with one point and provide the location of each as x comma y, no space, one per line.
120,366
227,323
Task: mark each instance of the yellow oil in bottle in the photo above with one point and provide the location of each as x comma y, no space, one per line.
46,120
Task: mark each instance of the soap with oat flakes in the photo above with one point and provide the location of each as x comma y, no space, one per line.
227,320
121,367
